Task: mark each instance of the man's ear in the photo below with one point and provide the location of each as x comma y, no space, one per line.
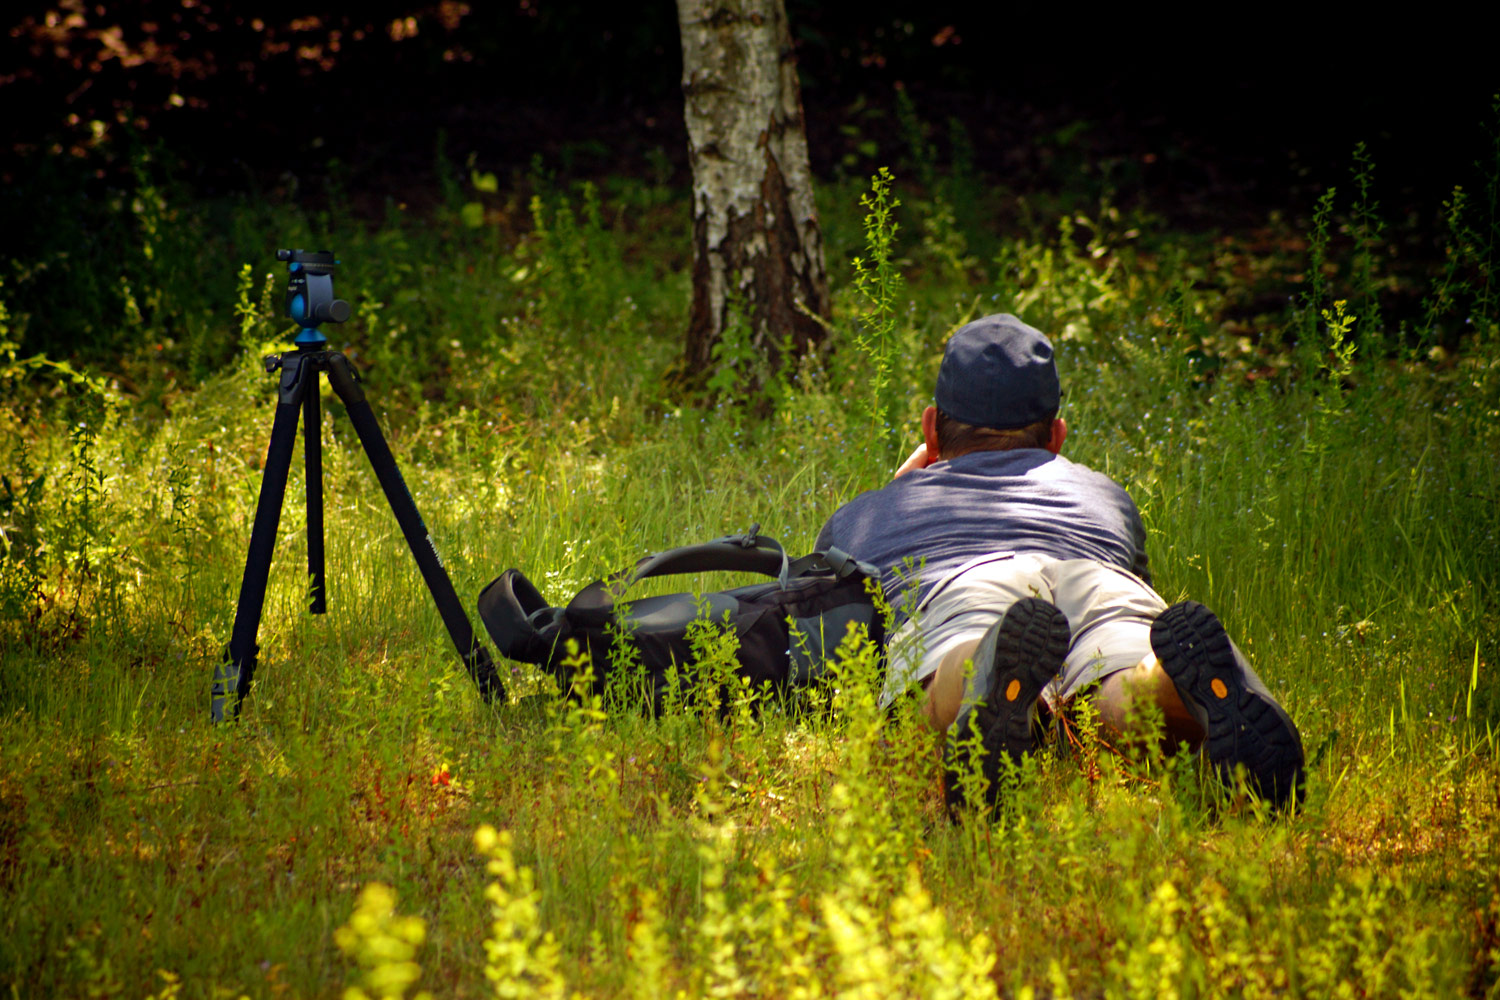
1059,435
929,432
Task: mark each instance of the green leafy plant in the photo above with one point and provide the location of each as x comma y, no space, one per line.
24,560
1341,350
521,959
383,946
1486,245
1316,280
740,372
574,262
878,283
942,238
1368,232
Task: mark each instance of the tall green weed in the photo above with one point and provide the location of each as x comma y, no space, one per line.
878,283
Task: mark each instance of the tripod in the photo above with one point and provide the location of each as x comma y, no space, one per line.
310,302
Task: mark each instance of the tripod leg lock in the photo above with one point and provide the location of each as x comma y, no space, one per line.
294,370
344,379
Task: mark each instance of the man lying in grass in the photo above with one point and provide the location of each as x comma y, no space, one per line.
1033,569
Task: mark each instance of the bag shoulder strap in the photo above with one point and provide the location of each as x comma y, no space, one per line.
747,553
834,560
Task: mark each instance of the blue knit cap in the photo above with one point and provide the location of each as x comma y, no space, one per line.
998,372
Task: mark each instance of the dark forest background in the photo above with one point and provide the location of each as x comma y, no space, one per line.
1213,115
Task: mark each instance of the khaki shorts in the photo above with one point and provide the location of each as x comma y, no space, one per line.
1109,610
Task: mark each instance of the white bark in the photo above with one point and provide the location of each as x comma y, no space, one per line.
754,220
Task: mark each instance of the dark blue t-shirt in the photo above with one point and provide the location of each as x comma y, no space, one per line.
1024,500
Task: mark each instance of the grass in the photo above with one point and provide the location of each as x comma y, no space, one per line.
1338,511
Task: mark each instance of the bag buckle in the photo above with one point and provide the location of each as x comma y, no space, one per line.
748,539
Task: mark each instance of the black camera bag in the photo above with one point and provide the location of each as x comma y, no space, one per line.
788,629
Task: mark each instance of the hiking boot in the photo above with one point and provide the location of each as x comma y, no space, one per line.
1023,651
1244,724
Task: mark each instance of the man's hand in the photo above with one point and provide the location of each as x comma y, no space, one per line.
916,460
929,451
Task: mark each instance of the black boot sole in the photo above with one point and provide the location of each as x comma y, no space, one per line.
1244,727
1030,648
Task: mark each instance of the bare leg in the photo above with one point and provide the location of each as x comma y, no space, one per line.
1147,683
1115,699
945,686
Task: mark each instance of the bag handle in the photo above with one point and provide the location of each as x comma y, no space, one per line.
748,553
515,614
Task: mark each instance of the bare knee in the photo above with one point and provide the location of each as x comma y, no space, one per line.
1144,697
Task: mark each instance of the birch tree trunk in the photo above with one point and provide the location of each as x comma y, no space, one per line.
755,228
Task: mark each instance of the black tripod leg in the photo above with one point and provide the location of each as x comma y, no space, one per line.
232,678
476,658
312,451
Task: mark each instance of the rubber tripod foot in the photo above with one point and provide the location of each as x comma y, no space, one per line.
1029,645
1245,727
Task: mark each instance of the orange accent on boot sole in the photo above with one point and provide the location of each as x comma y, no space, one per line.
1219,688
1013,690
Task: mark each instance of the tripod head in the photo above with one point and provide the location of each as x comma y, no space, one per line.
309,294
